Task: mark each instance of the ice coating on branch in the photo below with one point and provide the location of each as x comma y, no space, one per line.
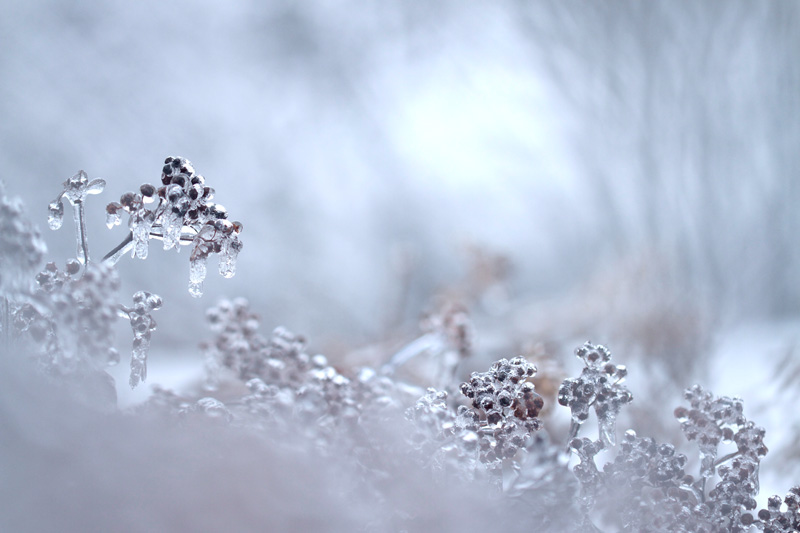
75,189
197,273
598,386
55,215
586,471
143,325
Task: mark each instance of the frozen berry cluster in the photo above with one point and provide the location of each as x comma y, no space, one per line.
775,520
70,318
143,325
505,405
644,468
180,211
598,386
238,345
710,421
21,243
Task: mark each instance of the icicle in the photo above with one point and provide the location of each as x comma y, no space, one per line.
141,237
56,215
140,225
227,258
172,226
141,345
197,273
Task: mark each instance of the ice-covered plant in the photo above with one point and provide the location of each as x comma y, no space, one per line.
492,435
143,324
598,386
506,405
75,190
179,212
21,252
67,321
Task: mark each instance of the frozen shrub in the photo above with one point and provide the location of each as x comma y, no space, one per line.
370,425
67,323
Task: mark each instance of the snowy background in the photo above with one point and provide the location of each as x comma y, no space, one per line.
626,172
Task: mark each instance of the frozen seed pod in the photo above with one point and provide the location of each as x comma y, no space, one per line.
55,216
113,217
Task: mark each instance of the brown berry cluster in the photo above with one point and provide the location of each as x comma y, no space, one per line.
505,406
180,211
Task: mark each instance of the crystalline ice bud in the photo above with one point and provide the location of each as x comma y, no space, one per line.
55,215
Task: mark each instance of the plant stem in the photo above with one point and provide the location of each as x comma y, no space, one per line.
113,256
80,231
119,250
725,458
